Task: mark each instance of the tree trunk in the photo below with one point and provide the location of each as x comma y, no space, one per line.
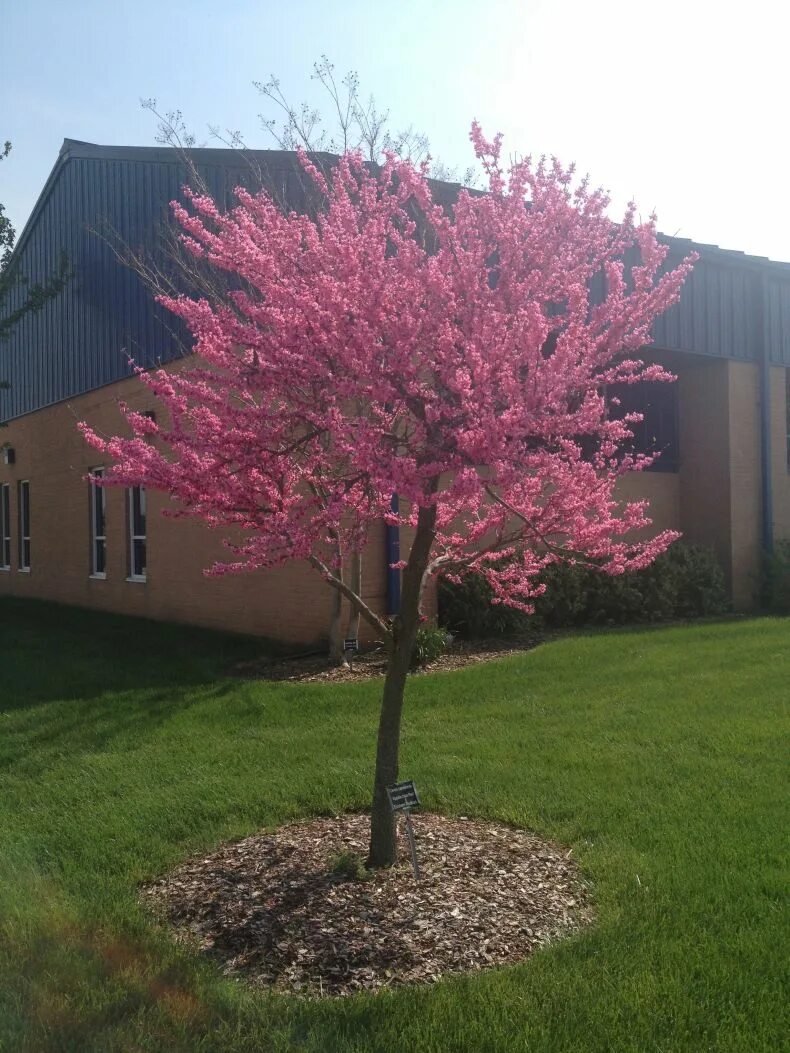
383,845
356,586
336,656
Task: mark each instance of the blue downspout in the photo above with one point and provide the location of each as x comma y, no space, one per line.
392,555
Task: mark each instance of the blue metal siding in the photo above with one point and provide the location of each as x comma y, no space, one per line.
777,327
82,339
714,315
78,341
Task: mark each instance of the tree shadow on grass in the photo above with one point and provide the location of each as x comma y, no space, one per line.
72,681
50,652
73,728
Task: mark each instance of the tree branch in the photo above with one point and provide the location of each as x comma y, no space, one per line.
556,550
357,602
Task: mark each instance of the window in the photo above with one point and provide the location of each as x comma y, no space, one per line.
5,527
24,525
137,553
658,430
98,527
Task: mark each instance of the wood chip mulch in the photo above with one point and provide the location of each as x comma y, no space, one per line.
373,663
285,910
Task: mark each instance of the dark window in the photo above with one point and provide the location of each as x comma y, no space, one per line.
24,525
657,432
98,527
137,533
5,527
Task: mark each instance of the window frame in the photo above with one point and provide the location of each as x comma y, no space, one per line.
23,511
96,493
5,527
136,538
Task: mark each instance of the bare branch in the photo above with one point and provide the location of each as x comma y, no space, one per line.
357,602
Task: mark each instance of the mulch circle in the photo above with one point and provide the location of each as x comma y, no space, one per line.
294,910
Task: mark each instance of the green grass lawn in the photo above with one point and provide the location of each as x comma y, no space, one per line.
658,755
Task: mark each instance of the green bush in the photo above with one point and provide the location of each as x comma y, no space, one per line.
430,644
466,609
685,582
775,579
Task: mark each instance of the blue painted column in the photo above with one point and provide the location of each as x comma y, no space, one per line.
392,555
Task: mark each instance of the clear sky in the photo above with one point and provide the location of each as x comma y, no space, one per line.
680,104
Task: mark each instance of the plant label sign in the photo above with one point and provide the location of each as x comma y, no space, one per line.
350,648
403,797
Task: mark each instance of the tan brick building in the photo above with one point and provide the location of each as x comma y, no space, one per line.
723,427
291,603
715,492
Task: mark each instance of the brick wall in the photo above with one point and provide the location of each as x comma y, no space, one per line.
704,456
714,500
745,481
716,497
721,466
661,489
781,476
290,603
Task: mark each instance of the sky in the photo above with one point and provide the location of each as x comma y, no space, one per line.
681,105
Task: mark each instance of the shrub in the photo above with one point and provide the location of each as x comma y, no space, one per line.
696,578
430,644
685,582
577,596
466,609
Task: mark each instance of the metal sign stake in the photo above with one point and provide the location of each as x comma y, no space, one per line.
403,797
412,845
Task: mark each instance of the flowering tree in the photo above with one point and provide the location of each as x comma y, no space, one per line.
350,124
385,343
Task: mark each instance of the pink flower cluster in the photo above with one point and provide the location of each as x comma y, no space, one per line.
385,343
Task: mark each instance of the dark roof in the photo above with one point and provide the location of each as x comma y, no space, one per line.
716,253
202,157
284,160
96,199
81,340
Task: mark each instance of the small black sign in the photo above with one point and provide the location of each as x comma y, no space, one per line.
403,796
351,644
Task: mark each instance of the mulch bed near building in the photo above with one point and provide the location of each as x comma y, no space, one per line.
373,663
294,910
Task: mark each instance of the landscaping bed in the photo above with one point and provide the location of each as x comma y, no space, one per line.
295,909
371,663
